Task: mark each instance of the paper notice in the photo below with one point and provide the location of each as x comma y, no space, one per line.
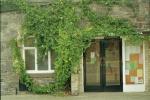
92,55
139,72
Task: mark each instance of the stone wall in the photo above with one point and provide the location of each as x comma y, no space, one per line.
10,24
77,80
147,65
138,15
43,79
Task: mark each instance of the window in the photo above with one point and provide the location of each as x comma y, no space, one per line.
32,63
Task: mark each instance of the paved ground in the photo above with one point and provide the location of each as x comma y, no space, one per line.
85,96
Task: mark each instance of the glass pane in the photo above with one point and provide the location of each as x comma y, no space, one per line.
53,59
43,63
30,59
29,42
93,64
112,61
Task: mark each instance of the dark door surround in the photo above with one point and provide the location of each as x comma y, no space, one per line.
103,87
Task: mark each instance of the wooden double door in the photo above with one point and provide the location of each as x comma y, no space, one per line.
103,65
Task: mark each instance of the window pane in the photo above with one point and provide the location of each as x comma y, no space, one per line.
53,58
43,63
29,42
30,59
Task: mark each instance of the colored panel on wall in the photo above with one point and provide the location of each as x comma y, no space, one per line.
134,64
141,59
133,72
140,72
134,57
140,66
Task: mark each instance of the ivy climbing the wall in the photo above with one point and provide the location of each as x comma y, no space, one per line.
67,27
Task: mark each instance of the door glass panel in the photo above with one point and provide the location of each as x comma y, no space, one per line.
93,64
112,62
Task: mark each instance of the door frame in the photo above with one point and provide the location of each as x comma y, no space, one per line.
103,88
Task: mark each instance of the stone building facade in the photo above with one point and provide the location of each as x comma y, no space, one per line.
10,26
147,65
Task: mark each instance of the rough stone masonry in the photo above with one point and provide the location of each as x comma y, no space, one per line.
10,26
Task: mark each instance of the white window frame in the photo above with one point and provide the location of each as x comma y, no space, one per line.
36,64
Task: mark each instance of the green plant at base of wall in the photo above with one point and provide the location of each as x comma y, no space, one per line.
67,28
18,65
